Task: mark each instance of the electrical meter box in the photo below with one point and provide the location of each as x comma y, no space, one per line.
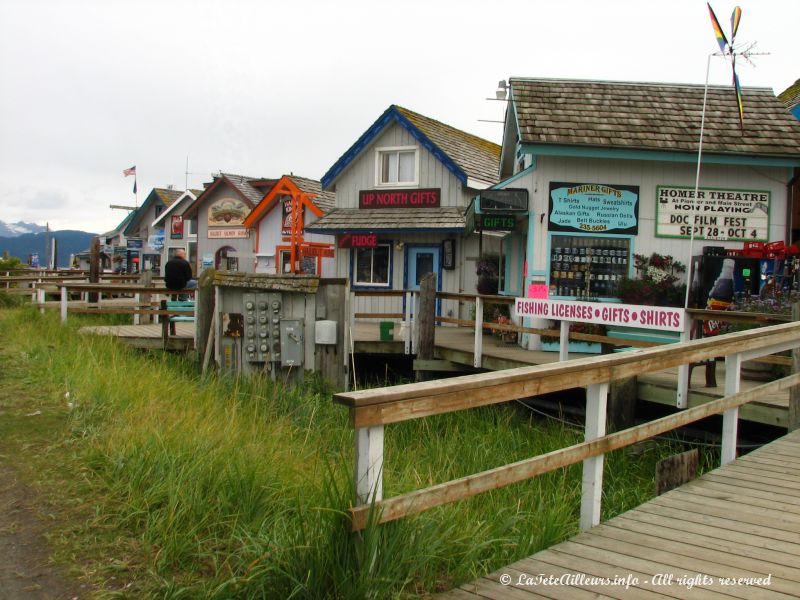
262,317
292,344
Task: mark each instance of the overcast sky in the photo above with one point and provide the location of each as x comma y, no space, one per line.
262,88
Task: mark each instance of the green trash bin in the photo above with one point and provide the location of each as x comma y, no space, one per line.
386,331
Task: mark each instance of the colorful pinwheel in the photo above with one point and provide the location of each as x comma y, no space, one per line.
727,50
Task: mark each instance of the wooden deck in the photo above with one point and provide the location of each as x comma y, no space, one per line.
455,344
733,533
147,336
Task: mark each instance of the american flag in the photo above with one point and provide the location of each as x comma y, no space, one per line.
131,171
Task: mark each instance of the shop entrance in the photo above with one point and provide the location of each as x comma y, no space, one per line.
421,261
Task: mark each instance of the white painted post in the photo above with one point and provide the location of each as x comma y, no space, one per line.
64,296
369,464
478,356
563,342
592,484
136,316
40,299
407,326
730,418
682,399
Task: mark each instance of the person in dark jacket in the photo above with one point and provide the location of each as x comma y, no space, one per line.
178,273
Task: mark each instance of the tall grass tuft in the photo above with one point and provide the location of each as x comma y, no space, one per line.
221,487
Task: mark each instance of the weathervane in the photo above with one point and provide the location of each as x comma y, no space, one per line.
728,50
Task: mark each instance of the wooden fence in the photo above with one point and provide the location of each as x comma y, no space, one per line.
371,410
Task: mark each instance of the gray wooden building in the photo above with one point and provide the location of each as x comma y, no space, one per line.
223,242
402,190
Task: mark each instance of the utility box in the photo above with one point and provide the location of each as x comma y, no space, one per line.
264,324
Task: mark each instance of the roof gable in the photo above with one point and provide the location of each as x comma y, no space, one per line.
184,200
241,185
647,116
466,156
163,195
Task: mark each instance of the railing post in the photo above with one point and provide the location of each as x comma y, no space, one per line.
369,464
794,393
478,349
407,325
682,399
136,315
64,296
592,485
563,342
730,418
40,298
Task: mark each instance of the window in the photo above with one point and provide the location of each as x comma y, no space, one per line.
372,265
397,166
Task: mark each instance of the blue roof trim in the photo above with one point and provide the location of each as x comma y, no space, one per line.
658,155
139,212
389,115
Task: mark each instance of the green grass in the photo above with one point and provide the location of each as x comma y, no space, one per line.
172,485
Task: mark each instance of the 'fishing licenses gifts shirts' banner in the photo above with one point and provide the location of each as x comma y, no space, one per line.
719,214
594,208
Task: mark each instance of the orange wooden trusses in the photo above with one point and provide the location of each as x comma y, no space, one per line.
300,200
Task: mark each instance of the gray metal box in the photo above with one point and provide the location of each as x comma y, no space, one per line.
292,344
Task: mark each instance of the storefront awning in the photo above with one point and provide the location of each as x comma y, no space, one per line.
390,220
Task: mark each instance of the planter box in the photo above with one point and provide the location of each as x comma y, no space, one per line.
582,347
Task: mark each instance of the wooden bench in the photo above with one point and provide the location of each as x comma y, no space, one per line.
182,308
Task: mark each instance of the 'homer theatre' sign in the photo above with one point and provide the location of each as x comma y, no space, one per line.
718,214
594,208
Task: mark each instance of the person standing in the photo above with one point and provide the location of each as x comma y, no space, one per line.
178,273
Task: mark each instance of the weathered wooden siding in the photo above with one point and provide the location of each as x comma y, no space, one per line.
361,173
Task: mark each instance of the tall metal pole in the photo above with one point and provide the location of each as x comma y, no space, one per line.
696,200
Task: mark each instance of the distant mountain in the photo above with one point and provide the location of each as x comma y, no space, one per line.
69,242
19,228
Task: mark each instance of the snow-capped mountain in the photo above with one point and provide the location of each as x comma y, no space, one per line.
19,228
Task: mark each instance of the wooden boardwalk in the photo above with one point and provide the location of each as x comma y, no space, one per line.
456,344
732,533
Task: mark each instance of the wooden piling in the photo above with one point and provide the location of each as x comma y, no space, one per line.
426,319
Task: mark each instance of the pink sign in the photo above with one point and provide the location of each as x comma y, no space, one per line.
663,318
539,291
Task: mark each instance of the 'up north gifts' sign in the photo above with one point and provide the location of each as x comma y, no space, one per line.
594,208
717,214
430,198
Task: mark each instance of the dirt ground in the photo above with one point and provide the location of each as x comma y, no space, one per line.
26,573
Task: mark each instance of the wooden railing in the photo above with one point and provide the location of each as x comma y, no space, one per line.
371,410
137,309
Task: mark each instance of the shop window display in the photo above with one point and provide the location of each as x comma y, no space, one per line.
587,267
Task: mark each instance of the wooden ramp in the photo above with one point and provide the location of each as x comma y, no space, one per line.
733,533
147,336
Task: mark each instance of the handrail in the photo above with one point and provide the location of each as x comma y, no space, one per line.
372,409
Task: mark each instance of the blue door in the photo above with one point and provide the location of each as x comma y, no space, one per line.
421,261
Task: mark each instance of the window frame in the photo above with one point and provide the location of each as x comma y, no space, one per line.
381,152
354,266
